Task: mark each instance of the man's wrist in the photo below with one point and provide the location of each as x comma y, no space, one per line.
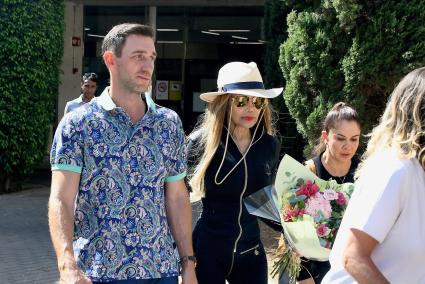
67,264
187,258
187,261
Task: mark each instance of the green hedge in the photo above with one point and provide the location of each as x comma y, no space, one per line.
275,32
349,50
31,48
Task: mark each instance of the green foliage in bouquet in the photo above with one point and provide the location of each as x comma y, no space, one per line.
352,51
31,47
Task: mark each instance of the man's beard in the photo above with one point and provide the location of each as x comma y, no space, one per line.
131,86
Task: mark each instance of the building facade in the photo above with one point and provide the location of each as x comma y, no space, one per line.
194,38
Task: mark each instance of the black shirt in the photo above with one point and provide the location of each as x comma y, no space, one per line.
223,203
322,173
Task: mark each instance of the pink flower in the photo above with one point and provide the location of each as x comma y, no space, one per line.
290,213
318,207
330,194
341,200
322,230
293,213
308,189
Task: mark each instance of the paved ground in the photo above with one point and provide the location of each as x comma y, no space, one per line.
26,253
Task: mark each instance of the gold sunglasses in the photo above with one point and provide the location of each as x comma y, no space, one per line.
242,101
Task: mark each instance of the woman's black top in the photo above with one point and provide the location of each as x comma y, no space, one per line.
322,173
222,203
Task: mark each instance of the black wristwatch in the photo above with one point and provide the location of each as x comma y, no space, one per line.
187,258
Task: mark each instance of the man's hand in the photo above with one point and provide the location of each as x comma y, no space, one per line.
73,276
61,224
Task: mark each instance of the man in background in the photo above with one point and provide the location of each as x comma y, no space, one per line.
88,90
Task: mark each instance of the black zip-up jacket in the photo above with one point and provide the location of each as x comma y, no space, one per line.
222,203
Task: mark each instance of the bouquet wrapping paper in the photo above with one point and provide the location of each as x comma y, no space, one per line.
309,209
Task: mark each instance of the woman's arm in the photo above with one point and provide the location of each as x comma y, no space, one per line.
357,260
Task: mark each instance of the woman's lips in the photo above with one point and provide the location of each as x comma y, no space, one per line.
248,118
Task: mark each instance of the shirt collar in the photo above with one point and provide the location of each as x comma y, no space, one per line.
80,99
106,102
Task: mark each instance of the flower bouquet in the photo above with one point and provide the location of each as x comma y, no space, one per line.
310,211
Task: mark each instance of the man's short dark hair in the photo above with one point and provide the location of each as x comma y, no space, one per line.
115,39
90,76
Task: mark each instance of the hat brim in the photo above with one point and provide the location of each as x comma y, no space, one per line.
268,94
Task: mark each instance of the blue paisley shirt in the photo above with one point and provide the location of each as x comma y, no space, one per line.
121,230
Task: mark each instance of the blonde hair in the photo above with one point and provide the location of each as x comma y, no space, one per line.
402,126
210,128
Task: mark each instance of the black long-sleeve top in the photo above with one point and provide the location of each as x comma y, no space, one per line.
222,203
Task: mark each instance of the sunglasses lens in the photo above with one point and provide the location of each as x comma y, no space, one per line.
259,103
241,101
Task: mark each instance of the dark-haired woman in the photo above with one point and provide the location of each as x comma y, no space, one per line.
335,159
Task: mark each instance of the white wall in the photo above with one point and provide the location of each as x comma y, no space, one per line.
70,87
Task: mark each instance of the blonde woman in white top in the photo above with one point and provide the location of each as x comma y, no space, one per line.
381,238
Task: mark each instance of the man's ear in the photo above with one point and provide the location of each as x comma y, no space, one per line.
109,59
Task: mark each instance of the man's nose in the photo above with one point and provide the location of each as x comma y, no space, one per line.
148,64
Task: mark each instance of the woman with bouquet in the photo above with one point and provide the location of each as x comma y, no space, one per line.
381,237
335,159
235,153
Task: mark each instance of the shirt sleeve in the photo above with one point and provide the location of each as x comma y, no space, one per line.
177,164
378,197
65,111
66,153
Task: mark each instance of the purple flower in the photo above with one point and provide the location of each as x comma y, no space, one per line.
330,194
341,200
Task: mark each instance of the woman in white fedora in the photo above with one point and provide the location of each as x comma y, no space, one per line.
233,153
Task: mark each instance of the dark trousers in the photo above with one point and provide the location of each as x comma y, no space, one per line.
214,265
315,269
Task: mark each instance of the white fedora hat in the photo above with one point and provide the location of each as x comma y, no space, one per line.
243,79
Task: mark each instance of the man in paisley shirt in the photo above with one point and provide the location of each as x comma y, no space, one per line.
118,199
